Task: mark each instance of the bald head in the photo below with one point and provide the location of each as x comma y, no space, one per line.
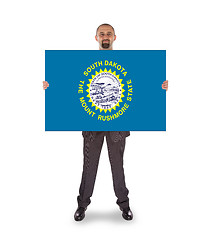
105,36
105,24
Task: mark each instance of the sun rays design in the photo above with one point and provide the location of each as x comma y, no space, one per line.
105,90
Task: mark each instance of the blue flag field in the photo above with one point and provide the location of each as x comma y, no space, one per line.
93,90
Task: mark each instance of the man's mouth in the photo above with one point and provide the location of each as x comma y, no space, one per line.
106,43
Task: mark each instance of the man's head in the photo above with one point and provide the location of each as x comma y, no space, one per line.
105,35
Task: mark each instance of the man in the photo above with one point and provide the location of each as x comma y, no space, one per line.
93,142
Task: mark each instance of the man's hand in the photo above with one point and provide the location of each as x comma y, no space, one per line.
165,85
45,84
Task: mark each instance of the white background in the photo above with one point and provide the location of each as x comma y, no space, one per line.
167,173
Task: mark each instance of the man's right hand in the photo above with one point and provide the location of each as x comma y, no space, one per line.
45,84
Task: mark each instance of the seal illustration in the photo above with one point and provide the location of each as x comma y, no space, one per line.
105,90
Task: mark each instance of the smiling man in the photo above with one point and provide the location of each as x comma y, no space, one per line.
105,35
93,142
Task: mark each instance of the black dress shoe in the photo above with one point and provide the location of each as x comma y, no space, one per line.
79,214
127,213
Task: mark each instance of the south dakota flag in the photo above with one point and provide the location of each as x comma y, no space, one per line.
105,90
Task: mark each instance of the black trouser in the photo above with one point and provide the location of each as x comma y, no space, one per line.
92,150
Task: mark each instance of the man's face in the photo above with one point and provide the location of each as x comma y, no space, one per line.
105,36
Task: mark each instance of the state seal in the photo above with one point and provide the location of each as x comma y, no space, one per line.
105,90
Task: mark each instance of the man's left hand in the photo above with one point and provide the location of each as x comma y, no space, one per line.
165,85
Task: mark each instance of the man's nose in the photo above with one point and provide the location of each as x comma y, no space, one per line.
106,36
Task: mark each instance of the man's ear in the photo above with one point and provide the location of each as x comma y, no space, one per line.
96,38
114,37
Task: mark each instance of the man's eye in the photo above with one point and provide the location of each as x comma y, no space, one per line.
101,34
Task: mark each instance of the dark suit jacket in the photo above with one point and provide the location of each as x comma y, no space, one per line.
115,136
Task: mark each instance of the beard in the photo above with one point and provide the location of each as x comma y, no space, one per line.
105,45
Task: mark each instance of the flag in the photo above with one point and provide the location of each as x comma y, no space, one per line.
92,90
